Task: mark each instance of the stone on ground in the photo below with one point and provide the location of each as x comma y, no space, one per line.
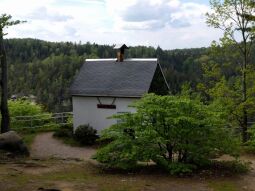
12,142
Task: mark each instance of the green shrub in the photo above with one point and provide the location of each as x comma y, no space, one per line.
118,154
180,168
21,110
175,168
85,135
250,145
64,131
177,133
231,167
237,166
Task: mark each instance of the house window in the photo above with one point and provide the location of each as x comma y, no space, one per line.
100,105
106,106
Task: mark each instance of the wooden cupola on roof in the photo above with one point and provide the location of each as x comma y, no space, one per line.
120,51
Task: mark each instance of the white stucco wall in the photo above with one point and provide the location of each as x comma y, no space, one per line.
85,111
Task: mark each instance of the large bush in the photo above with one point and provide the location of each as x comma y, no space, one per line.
26,114
85,135
178,134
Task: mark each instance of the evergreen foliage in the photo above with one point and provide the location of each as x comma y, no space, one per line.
46,69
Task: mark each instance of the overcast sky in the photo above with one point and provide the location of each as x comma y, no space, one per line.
168,23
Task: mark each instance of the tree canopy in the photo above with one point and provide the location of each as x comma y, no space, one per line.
235,18
177,133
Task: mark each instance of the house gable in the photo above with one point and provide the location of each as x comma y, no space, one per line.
159,84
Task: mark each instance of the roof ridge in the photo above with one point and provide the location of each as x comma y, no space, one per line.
101,59
128,59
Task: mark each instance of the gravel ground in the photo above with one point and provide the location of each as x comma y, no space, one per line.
45,146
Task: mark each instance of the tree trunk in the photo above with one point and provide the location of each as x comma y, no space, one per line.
245,126
244,88
170,152
244,115
244,82
5,121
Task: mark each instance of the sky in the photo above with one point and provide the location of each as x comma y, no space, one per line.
170,24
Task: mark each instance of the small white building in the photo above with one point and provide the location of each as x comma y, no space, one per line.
105,87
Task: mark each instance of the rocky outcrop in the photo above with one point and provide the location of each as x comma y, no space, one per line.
12,142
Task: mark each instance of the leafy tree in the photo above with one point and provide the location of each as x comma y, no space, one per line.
231,17
177,133
222,83
5,22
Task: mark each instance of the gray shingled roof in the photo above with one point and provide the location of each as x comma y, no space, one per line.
106,77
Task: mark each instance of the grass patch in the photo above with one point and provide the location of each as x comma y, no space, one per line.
109,187
28,138
69,141
54,173
65,134
248,150
28,130
73,174
231,167
223,186
28,134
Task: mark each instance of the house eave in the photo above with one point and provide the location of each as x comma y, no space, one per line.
116,96
163,76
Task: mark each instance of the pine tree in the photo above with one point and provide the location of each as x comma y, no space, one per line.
5,22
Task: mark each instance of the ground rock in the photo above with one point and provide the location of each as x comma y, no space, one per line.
48,189
12,142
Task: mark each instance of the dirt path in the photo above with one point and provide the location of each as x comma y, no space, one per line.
248,180
45,146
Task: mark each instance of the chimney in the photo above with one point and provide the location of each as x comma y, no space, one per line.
120,52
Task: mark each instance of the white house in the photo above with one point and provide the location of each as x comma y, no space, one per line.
105,87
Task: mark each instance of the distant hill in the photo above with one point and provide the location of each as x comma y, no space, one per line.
46,69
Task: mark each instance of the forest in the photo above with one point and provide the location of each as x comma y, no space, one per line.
46,69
